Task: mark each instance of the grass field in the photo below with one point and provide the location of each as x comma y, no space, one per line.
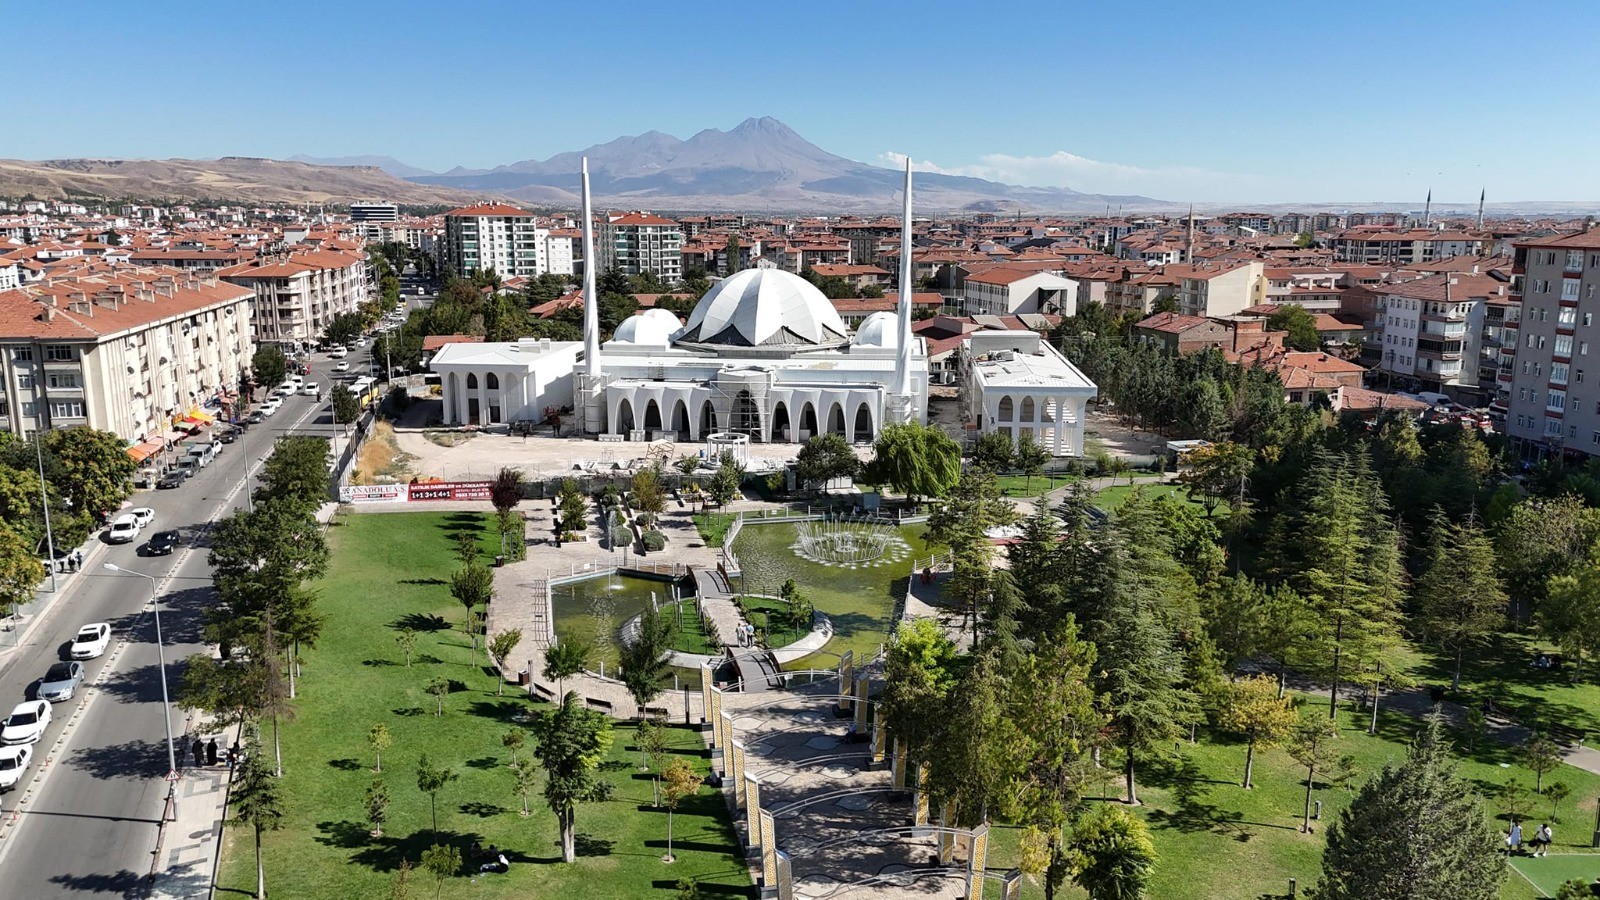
1111,498
388,572
1217,839
1530,694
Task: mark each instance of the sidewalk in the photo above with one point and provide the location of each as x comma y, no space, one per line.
185,861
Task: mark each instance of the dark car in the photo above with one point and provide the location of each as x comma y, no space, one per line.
162,543
171,480
227,436
256,418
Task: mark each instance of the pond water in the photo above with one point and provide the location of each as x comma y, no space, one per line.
592,611
860,601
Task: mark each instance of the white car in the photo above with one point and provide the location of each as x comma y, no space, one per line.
143,515
26,723
123,530
91,641
311,389
342,367
13,762
269,407
338,353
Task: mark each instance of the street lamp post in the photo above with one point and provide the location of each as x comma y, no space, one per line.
166,705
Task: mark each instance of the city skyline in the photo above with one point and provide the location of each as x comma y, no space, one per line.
1352,104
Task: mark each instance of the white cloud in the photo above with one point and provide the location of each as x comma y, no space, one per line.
1063,169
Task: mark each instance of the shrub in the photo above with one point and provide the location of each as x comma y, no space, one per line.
621,536
654,541
645,519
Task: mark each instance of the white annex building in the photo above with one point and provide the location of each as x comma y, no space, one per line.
764,354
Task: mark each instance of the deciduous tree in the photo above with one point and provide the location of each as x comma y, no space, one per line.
571,742
20,571
256,803
916,460
378,739
377,803
643,664
1253,709
825,457
678,781
431,780
441,861
565,659
1311,743
1112,856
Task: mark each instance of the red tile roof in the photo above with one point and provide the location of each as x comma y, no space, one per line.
99,300
488,209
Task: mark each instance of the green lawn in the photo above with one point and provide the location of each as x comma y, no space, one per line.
1112,498
1216,839
1530,694
713,527
689,636
388,571
1029,488
770,617
1548,872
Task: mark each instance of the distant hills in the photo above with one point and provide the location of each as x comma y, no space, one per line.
760,165
387,163
231,178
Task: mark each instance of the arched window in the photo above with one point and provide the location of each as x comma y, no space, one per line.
472,381
492,382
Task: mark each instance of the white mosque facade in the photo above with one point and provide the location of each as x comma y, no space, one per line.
764,354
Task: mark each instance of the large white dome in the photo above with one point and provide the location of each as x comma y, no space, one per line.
653,327
881,329
765,308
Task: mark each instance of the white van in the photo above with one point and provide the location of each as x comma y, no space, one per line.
201,454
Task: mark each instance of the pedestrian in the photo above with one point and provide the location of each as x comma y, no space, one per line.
1542,839
211,752
1514,838
199,753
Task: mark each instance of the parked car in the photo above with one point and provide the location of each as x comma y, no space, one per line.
27,723
256,418
163,543
338,353
123,530
172,480
142,515
311,389
269,407
13,762
91,641
228,435
61,682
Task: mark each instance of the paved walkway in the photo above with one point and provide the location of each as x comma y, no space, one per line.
185,862
716,603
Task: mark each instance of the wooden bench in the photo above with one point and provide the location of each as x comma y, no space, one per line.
543,692
601,705
657,712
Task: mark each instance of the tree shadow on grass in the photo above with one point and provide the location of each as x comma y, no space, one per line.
482,810
345,834
383,854
348,764
1182,779
509,711
589,845
420,622
703,889
409,711
483,762
438,581
379,663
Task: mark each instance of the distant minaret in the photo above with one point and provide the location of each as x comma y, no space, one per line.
1188,247
1427,211
591,297
902,353
1481,194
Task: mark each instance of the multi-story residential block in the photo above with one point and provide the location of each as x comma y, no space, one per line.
1430,331
128,350
369,219
299,292
494,236
1004,291
1377,244
1553,406
1223,288
634,243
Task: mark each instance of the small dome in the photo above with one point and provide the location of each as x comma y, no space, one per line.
879,330
765,308
653,327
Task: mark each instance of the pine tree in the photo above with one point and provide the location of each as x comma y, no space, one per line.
1460,603
1414,832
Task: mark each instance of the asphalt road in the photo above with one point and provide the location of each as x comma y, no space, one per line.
92,828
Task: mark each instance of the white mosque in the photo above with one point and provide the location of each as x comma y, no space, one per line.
765,356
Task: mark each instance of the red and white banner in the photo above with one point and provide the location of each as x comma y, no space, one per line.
450,490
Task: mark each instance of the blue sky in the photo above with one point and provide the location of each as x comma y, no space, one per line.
1349,101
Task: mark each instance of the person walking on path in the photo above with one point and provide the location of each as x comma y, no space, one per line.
211,752
1541,840
199,753
1514,838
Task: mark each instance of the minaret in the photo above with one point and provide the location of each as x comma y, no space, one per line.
902,359
591,297
1427,211
1188,248
1481,193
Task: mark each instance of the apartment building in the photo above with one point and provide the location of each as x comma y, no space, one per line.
494,236
1224,288
1003,291
1431,331
1552,405
637,242
129,350
299,292
369,219
1380,245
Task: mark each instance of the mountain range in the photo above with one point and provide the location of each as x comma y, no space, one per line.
387,163
759,165
230,179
